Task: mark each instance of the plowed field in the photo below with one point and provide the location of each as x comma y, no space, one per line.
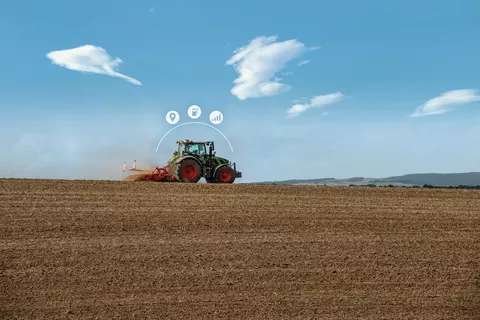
106,250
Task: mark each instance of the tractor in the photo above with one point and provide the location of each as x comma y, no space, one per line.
193,160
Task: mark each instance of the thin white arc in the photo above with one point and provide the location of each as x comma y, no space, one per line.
183,124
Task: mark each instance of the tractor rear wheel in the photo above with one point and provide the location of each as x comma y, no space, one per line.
188,171
225,174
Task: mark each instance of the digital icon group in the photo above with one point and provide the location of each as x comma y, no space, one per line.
194,112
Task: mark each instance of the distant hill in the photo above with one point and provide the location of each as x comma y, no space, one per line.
437,179
417,179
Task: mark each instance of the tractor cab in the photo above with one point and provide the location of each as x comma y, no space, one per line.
195,148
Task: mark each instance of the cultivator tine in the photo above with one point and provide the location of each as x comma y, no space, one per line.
133,168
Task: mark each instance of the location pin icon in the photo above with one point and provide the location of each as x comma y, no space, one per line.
172,117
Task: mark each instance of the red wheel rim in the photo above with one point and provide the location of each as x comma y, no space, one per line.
225,175
189,172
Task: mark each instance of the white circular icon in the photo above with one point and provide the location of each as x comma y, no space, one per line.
172,117
216,117
194,112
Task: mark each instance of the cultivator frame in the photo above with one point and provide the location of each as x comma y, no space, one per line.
158,174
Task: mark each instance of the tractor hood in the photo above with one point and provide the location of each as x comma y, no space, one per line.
221,160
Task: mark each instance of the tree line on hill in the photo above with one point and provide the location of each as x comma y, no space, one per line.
426,186
466,180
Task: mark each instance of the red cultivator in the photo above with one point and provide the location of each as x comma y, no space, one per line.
159,174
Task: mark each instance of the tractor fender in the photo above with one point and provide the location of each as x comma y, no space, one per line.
218,167
177,161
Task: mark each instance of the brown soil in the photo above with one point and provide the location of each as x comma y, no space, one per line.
108,250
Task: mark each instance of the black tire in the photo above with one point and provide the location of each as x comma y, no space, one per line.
189,171
225,174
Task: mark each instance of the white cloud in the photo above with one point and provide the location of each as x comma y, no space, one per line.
446,102
303,62
89,59
258,62
317,101
302,100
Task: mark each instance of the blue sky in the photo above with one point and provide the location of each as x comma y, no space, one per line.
371,65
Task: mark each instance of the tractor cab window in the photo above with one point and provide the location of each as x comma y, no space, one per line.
198,149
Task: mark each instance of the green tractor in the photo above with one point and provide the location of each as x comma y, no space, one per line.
194,160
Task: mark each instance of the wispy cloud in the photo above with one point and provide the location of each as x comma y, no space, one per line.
446,102
258,62
89,59
317,101
151,10
303,62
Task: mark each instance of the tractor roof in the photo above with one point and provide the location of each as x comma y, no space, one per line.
191,141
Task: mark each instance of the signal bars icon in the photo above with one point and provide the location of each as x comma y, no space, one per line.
216,117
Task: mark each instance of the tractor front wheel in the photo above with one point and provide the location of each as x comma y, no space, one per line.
188,171
225,174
